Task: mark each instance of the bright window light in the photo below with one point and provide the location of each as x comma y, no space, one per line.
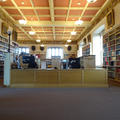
54,52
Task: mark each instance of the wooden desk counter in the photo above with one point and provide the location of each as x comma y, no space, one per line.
58,78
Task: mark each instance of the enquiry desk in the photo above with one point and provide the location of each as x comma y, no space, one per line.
58,78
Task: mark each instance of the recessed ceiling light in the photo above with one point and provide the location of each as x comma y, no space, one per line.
22,3
31,32
66,45
42,45
73,33
79,22
91,1
22,22
79,3
69,41
38,41
3,0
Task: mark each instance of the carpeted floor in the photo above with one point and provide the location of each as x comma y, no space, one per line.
60,104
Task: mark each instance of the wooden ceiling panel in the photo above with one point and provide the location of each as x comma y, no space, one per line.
27,28
73,18
43,12
13,11
59,28
78,3
90,12
38,29
60,18
98,3
41,3
32,18
75,12
61,3
28,11
26,3
48,33
47,28
6,3
17,17
60,12
86,18
45,18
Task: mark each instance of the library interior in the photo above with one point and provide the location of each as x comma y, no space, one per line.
59,59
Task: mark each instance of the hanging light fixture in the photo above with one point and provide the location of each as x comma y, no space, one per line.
73,33
66,45
69,41
31,32
22,22
79,22
91,1
38,41
3,0
42,45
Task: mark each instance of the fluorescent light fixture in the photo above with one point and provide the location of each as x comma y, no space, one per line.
91,1
31,32
3,0
79,22
69,41
42,45
22,3
66,45
79,3
38,41
22,22
73,33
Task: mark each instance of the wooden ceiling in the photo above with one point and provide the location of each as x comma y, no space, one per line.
52,20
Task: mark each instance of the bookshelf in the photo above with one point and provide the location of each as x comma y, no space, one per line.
111,54
3,50
86,50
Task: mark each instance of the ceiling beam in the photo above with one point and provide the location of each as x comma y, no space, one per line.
37,15
22,16
54,15
56,8
56,24
51,5
70,3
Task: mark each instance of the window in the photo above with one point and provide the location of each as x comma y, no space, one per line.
54,52
23,50
98,49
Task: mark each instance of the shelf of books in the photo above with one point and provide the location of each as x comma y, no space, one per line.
111,55
86,50
3,50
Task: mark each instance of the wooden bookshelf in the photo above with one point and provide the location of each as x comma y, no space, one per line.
111,55
86,50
